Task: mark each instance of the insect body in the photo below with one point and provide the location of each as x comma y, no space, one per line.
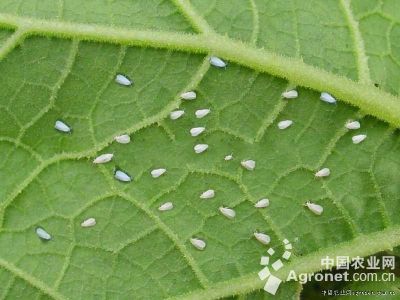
123,80
328,98
191,95
199,148
198,244
61,126
89,222
43,234
217,62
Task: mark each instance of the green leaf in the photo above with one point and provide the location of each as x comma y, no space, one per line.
59,61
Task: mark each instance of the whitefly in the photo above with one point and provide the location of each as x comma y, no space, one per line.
217,62
315,208
201,113
200,148
195,131
198,243
42,234
227,212
61,126
123,80
166,206
122,176
328,98
174,115
191,95
90,222
262,238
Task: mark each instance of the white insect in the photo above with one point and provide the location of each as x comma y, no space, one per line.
248,164
358,138
217,62
227,212
228,157
288,246
323,172
262,238
353,125
191,95
201,113
285,124
166,206
286,241
271,251
315,208
290,94
123,80
326,97
122,176
43,234
197,131
207,194
104,158
198,244
199,148
61,126
122,139
262,203
176,114
158,172
89,222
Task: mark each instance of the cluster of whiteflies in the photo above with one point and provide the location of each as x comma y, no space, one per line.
247,164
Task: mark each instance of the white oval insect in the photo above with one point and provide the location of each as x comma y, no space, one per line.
290,94
89,222
122,139
122,176
158,172
262,203
228,157
123,80
353,125
173,115
217,62
197,131
262,238
104,158
191,95
323,172
198,243
315,208
227,212
207,194
201,113
358,138
61,126
166,206
248,164
199,148
328,98
43,234
285,124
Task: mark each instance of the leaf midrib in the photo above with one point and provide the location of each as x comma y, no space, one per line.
369,99
363,245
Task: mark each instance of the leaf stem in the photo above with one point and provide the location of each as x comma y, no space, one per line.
370,100
363,245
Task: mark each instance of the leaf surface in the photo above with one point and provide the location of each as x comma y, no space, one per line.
59,62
